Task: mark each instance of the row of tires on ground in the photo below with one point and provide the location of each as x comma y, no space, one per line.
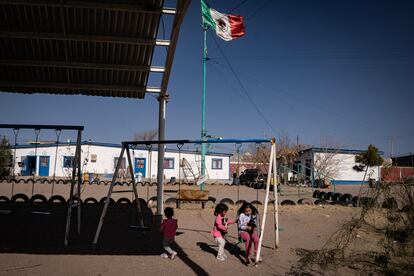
57,199
348,199
257,185
94,182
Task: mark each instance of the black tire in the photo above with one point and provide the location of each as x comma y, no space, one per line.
241,202
227,201
321,195
140,183
21,181
86,182
152,201
142,202
320,202
366,201
60,181
146,183
328,196
287,202
257,202
171,200
124,200
315,193
30,180
345,198
57,199
90,200
4,199
38,199
23,197
337,196
390,203
355,201
102,201
38,181
13,180
154,184
212,199
305,201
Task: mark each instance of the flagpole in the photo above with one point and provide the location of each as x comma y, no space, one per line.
203,109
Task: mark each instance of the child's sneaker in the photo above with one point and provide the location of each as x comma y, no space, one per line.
173,255
225,256
164,255
221,258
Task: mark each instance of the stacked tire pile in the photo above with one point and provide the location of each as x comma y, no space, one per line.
323,198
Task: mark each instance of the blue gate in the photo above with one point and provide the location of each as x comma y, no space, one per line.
140,166
44,165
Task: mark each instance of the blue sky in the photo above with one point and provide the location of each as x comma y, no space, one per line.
314,69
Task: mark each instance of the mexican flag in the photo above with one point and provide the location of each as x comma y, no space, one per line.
227,26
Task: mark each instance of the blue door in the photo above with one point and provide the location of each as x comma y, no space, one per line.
44,165
140,166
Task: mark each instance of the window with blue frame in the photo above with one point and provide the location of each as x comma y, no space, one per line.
216,164
68,161
168,163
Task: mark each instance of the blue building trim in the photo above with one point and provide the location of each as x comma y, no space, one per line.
112,145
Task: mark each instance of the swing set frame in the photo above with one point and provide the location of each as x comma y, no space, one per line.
272,178
76,179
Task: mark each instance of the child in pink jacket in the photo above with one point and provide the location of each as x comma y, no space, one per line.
220,229
168,229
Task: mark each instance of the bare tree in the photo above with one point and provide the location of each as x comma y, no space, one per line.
286,153
148,135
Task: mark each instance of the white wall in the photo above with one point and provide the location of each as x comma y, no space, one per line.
104,164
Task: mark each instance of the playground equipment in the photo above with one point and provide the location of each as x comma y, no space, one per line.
126,145
76,179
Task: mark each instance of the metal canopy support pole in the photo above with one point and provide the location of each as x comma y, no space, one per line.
203,110
266,202
108,197
161,152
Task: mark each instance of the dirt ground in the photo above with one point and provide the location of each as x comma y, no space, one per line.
32,244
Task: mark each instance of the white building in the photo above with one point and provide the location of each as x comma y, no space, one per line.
100,159
338,164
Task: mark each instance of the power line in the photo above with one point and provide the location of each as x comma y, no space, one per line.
244,89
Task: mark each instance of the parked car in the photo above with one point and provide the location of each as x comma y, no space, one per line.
252,175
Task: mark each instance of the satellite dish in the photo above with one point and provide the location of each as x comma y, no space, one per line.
202,179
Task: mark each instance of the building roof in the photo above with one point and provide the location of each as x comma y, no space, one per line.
333,150
89,47
113,145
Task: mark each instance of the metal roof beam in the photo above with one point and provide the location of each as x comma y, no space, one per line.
81,86
93,5
82,65
86,38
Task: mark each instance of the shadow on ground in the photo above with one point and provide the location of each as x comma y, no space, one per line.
25,231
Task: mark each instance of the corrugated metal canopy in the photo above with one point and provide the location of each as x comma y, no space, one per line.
101,47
